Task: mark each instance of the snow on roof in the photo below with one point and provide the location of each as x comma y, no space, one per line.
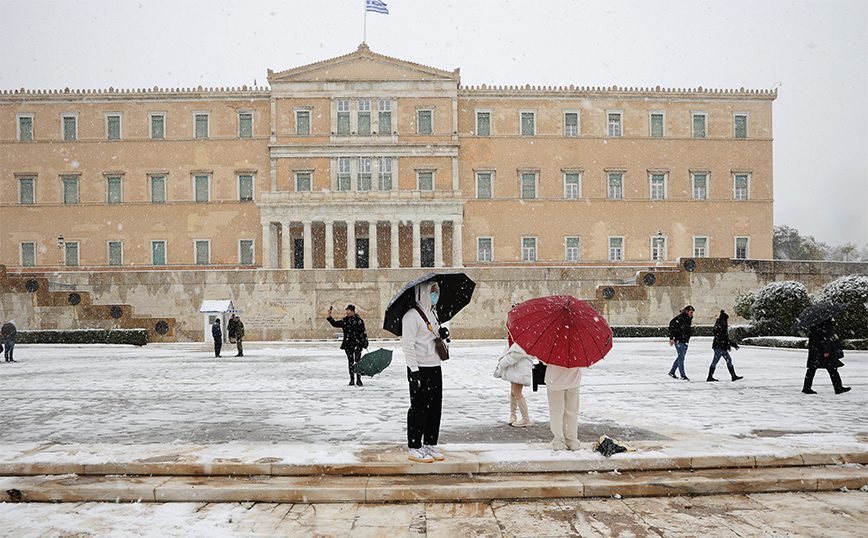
210,307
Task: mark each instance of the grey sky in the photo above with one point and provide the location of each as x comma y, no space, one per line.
815,52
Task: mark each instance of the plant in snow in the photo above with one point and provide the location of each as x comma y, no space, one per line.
853,291
776,307
742,304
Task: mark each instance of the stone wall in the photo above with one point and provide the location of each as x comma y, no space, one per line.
292,304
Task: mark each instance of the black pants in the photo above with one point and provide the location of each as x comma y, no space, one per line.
426,403
218,345
353,356
833,374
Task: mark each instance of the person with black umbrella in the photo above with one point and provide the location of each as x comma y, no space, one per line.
824,351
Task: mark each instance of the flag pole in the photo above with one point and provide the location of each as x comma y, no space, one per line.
365,31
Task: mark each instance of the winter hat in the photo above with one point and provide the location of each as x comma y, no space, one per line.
724,315
688,307
351,307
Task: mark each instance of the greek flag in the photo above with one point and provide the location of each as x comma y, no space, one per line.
376,6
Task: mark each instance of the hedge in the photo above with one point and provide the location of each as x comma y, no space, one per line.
135,337
800,343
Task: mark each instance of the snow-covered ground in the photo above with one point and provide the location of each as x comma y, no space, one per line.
294,393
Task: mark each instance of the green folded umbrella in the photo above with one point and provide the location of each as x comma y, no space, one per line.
374,362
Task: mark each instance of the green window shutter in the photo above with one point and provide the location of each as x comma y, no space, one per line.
202,194
302,181
69,128
426,181
483,185
158,189
527,124
25,129
425,127
28,254
246,252
202,253
115,193
158,127
245,125
113,127
740,126
116,253
483,124
26,188
158,253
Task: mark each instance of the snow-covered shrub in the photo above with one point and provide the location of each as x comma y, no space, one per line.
776,306
742,304
852,290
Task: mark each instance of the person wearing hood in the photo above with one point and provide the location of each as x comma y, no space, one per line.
420,328
355,339
516,366
680,331
721,346
824,351
8,331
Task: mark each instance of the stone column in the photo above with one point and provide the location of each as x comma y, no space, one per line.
351,244
417,244
329,245
373,262
266,246
396,258
457,249
438,243
286,248
308,245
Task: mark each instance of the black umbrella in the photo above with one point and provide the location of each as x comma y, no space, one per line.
817,314
455,292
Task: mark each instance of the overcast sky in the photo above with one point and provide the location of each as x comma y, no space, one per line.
814,52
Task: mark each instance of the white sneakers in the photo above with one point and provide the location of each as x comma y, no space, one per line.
426,454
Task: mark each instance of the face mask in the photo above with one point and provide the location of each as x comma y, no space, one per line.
434,298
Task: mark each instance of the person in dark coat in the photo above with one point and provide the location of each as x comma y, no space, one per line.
680,331
9,332
721,346
239,336
355,339
230,328
824,351
217,335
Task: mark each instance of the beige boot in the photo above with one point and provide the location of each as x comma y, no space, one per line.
512,404
525,419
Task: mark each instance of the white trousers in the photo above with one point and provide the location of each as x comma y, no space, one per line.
564,417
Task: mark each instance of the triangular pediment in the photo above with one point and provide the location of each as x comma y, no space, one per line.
362,65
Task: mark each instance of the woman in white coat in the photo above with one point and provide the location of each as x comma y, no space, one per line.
516,366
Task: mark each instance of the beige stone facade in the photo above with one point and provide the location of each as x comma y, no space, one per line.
366,161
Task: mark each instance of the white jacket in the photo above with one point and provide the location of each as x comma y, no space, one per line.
515,366
417,342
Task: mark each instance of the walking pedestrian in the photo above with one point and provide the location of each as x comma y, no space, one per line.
680,331
217,335
562,389
8,332
824,351
355,339
721,346
419,328
239,336
516,366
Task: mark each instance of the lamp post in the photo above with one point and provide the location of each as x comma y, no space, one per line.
60,245
659,241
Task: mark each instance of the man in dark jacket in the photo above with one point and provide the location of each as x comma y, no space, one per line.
721,346
824,351
355,339
680,331
217,335
239,336
8,331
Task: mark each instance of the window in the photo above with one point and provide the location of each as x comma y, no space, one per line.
70,190
25,127
28,254
302,122
573,249
571,124
528,249
200,122
699,127
27,190
700,186
614,123
202,188
528,123
115,253
424,119
384,182
245,251
425,180
114,190
113,126
616,249
158,125
528,185
245,187
657,125
658,248
70,126
740,187
616,186
158,189
385,117
71,254
158,253
483,123
483,185
303,181
739,125
344,174
741,248
700,247
245,124
364,127
483,249
571,185
203,252
658,186
364,173
343,117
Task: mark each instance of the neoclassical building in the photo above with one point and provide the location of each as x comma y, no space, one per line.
366,161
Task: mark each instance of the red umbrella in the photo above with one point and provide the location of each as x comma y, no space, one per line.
560,330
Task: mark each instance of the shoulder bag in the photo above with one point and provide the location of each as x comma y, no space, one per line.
439,345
